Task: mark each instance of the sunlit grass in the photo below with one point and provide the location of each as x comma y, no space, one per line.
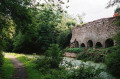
31,56
32,72
7,69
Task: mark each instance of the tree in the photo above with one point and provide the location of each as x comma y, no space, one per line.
48,19
113,3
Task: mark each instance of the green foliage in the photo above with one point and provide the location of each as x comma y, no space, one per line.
113,63
53,57
47,20
86,72
14,14
113,3
74,50
44,72
70,23
64,38
30,27
7,69
117,22
117,38
96,55
6,32
24,43
18,11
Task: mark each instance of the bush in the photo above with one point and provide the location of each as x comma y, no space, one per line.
64,38
113,63
96,55
53,57
74,50
117,38
86,72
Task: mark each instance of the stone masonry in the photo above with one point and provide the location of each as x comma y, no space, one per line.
91,34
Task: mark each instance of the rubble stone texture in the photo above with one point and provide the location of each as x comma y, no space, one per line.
98,32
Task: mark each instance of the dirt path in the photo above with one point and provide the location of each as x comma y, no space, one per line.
20,71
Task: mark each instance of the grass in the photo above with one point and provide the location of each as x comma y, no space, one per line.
30,67
7,69
35,73
32,72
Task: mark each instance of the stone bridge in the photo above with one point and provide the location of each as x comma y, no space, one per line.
96,34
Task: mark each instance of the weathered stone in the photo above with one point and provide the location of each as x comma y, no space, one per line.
94,32
68,54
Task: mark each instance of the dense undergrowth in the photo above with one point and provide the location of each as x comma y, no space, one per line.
45,72
96,55
48,67
112,62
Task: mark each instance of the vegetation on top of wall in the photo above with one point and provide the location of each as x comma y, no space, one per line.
74,50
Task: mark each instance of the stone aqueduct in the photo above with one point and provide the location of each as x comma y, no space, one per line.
94,34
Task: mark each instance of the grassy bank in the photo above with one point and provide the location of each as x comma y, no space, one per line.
7,69
54,73
29,65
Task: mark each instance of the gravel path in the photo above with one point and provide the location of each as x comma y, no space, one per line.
20,71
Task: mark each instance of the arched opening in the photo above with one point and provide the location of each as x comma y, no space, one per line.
98,45
109,43
82,45
76,44
89,44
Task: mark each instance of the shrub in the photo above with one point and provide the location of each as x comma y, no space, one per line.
86,72
64,38
113,63
53,57
74,50
96,55
117,38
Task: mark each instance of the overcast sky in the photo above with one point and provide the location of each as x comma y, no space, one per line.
93,9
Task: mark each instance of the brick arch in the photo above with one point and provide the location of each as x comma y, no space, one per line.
82,45
109,42
98,45
76,43
89,43
97,31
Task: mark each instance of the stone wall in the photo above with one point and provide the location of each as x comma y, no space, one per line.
92,33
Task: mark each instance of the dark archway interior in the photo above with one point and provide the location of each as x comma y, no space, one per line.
109,43
98,45
82,45
76,44
89,44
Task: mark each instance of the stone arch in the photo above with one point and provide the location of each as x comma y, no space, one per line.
82,45
98,45
109,43
90,43
76,44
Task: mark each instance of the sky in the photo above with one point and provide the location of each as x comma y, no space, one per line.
93,9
